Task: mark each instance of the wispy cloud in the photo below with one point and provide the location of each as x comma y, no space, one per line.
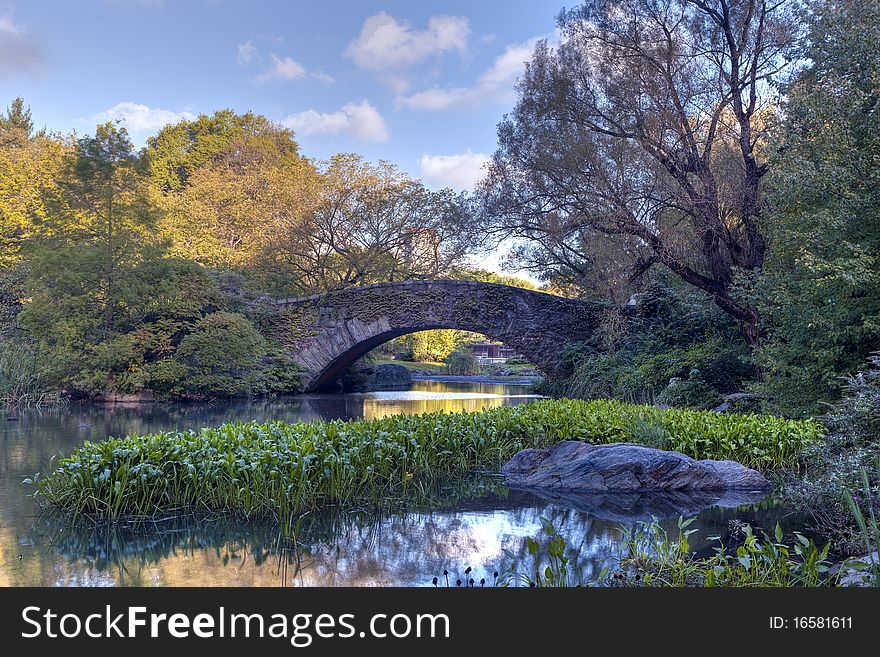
9,28
494,84
142,118
19,50
247,52
361,121
280,69
460,171
390,47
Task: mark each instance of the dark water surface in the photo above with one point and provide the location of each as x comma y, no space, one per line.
480,523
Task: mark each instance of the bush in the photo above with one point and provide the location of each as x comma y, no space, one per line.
692,392
835,464
670,334
223,353
281,468
462,363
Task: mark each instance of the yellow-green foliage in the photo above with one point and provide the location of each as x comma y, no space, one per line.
279,468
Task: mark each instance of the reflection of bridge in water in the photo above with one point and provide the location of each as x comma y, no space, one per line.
327,333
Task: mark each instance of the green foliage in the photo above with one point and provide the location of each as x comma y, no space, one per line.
552,574
868,527
178,150
434,346
20,378
655,559
638,355
462,363
280,468
165,305
690,393
837,464
223,353
820,289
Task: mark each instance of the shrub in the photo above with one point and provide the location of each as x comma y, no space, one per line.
835,464
462,363
692,392
669,334
223,353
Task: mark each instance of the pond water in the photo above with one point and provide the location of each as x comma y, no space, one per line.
479,523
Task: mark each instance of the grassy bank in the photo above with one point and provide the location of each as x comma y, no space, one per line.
278,469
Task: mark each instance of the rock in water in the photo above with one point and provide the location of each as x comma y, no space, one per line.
577,466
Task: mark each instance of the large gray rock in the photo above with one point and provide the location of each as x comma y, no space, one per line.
623,467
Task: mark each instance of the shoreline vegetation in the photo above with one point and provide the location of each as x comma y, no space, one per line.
279,469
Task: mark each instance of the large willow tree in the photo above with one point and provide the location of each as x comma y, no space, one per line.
645,126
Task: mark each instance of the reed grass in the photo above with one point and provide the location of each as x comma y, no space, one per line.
283,469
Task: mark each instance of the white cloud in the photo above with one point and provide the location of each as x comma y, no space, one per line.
282,68
360,120
18,50
285,68
438,98
460,171
142,118
247,52
509,65
388,46
10,28
322,77
494,84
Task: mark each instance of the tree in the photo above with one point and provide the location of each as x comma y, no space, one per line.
820,291
179,150
97,230
645,124
370,224
17,127
229,185
29,167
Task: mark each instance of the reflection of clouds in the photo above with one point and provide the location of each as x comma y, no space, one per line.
353,550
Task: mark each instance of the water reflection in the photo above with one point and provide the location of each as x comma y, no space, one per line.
486,532
482,524
29,442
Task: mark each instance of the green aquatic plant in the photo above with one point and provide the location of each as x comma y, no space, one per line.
868,526
653,558
282,469
550,563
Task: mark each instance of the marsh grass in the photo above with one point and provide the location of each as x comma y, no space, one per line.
282,470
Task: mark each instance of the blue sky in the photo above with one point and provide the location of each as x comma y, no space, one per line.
420,84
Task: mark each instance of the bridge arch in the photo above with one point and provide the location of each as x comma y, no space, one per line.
327,333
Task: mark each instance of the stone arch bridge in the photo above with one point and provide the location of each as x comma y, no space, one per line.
326,333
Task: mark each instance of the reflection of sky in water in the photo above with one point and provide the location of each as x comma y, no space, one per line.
403,550
409,395
483,530
355,549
